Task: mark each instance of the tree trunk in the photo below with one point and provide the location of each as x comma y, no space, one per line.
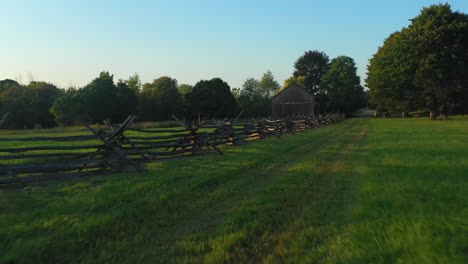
432,115
403,114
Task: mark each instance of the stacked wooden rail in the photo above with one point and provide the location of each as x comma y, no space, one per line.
34,159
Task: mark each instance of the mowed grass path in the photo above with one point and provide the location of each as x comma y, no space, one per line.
366,190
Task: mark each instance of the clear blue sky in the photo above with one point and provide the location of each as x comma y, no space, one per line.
69,42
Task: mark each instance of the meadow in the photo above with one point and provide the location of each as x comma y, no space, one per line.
362,191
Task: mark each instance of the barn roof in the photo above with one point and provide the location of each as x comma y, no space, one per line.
293,93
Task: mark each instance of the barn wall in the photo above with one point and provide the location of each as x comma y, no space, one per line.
287,109
293,100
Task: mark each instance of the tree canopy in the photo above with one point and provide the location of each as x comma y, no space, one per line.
69,108
255,95
341,86
101,99
312,66
212,99
423,66
28,105
160,99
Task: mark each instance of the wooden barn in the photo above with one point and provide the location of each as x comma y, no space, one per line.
293,100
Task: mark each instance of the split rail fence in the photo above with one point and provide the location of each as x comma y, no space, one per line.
27,160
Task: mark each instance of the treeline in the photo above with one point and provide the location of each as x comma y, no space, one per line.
335,84
41,104
424,66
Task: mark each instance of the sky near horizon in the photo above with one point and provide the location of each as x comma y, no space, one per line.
68,42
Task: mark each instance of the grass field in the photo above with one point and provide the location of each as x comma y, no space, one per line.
363,191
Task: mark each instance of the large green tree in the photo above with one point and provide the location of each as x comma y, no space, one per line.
21,102
312,65
70,108
28,105
423,66
268,86
7,83
212,99
249,97
255,95
100,97
127,99
160,99
186,90
47,93
134,82
342,86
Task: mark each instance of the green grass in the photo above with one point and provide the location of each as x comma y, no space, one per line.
363,191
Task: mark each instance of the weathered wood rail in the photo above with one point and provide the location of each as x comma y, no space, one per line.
27,160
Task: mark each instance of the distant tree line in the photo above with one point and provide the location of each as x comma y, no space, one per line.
41,104
27,105
424,66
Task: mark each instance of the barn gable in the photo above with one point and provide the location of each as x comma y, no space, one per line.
293,100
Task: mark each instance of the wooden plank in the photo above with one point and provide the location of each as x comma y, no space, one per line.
158,131
46,155
23,149
158,137
118,131
69,138
156,146
112,146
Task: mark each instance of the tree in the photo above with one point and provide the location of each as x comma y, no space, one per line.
423,66
312,66
250,88
185,89
268,86
134,82
292,80
212,99
342,86
47,93
255,96
160,99
127,100
249,96
7,83
70,108
441,38
101,99
236,92
28,105
21,102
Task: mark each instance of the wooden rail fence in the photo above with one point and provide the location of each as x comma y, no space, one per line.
122,146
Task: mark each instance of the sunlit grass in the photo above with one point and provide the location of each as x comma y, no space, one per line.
364,191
